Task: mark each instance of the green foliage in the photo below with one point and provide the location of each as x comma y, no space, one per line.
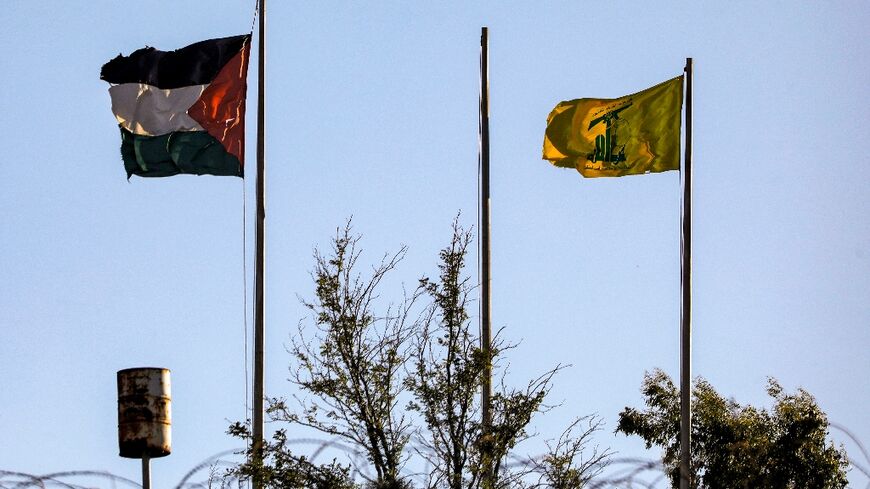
282,469
736,446
446,371
352,365
447,365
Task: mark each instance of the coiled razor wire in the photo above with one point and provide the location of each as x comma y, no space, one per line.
213,472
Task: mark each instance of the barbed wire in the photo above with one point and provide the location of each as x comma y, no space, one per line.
622,472
21,480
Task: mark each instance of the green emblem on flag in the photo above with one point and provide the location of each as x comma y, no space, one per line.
606,144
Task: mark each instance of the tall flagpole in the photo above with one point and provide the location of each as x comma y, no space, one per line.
259,279
485,280
686,317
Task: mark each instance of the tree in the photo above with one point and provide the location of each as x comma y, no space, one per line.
567,464
447,369
283,469
360,369
737,446
353,364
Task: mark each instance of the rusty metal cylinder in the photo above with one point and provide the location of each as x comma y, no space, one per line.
144,413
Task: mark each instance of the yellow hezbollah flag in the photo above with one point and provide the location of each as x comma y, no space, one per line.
635,134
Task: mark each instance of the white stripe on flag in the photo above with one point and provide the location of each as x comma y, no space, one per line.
150,111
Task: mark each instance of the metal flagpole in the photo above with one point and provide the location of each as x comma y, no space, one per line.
259,278
485,280
686,317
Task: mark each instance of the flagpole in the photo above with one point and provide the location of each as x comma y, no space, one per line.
686,317
259,278
485,279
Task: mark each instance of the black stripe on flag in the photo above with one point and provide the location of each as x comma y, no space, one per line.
196,64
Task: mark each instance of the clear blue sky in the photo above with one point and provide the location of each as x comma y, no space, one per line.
372,112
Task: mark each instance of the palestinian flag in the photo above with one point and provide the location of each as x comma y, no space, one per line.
182,111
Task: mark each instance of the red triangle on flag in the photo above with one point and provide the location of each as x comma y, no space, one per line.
220,110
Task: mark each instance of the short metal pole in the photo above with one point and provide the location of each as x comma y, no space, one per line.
146,471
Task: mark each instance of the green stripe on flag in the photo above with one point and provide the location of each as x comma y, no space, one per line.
190,152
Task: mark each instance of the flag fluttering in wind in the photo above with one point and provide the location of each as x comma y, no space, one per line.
182,111
631,135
